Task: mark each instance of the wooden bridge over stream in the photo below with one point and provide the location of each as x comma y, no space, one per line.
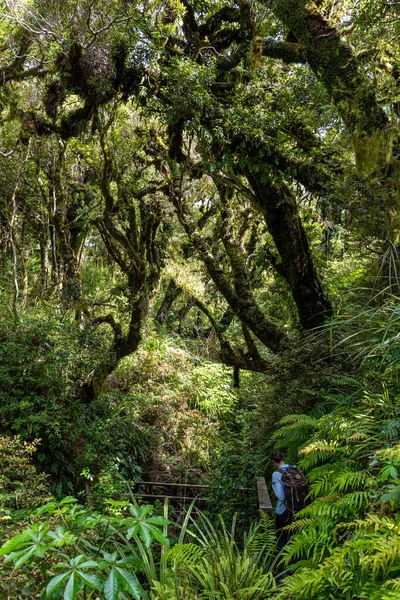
183,494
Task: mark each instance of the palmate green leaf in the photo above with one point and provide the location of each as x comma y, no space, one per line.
140,512
77,578
31,543
147,528
147,533
61,536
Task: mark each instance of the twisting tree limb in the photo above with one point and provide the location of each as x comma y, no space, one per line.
251,361
239,296
289,52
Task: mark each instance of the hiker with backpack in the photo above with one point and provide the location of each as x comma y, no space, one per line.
290,487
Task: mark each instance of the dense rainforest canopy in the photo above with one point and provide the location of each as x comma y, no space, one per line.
199,241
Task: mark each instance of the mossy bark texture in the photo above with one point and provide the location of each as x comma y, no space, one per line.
296,263
335,65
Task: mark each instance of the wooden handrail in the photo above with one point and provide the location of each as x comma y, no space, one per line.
188,485
183,499
188,492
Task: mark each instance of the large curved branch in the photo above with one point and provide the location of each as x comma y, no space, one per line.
289,52
247,362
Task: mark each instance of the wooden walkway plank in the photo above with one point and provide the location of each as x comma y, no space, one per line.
264,501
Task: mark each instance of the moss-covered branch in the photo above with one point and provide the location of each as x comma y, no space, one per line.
238,294
289,52
334,63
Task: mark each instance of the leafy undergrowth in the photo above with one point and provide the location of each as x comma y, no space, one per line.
73,552
346,542
167,409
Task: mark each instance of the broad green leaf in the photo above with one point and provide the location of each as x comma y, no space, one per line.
89,564
25,557
46,508
112,586
68,500
130,560
55,582
93,581
14,543
157,521
116,502
73,587
159,536
132,531
130,583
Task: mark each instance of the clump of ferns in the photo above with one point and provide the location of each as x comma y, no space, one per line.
342,544
364,566
218,566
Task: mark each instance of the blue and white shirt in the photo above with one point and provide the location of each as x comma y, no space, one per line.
279,490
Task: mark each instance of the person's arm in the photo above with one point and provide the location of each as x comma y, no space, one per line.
277,486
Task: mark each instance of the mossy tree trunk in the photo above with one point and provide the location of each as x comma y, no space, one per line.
295,262
137,245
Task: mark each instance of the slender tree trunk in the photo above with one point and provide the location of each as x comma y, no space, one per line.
173,291
13,234
44,259
24,258
14,254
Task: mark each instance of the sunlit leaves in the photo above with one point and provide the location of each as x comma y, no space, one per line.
144,526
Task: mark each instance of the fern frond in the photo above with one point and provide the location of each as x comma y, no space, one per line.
378,524
263,538
298,525
321,446
386,554
300,420
187,555
393,583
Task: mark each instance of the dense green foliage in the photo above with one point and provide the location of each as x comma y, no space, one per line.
199,246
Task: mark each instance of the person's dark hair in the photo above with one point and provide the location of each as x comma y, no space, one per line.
276,456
